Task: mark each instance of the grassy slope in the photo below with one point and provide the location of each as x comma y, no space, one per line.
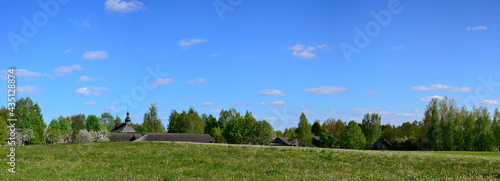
185,161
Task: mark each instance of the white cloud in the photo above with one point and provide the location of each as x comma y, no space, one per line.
240,104
441,87
29,89
326,90
59,71
488,102
184,43
215,111
86,91
370,92
271,92
272,118
416,110
333,111
301,51
274,104
383,112
98,88
92,55
90,104
429,98
85,78
359,112
408,115
162,81
323,46
476,28
110,108
197,81
209,104
66,51
124,6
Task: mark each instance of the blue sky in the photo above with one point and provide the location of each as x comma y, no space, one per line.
274,58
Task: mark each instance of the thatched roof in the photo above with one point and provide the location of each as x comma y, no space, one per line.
125,136
123,127
284,141
382,141
181,137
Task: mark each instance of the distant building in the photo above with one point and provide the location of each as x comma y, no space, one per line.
284,141
381,144
126,132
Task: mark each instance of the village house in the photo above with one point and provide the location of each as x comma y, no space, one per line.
381,144
126,132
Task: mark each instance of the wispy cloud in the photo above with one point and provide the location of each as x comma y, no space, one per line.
185,44
326,90
162,81
271,92
301,51
197,81
370,92
110,108
488,102
87,91
62,70
124,6
209,104
66,51
429,98
475,28
441,87
92,55
29,89
90,104
274,104
85,78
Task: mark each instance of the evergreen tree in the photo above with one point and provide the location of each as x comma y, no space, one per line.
316,128
304,131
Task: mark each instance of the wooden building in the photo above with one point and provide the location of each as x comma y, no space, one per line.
381,144
284,141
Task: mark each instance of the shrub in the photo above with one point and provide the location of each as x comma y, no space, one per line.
51,136
27,136
83,136
40,134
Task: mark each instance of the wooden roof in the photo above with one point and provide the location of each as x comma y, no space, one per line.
181,137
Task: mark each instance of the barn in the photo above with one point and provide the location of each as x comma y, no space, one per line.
381,144
284,141
126,132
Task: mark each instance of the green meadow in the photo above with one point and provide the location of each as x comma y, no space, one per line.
194,161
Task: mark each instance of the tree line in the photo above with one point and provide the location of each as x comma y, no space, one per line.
445,126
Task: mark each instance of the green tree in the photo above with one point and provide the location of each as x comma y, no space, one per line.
434,135
195,124
28,114
250,129
211,123
264,133
3,129
152,122
278,133
40,135
65,127
108,121
226,115
338,135
304,131
325,139
139,128
316,128
496,127
484,136
118,119
233,132
371,128
52,135
77,124
469,135
54,124
93,123
290,132
354,138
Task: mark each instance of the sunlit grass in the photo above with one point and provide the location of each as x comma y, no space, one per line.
189,161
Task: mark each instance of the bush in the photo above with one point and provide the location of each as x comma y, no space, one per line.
51,136
27,136
83,136
40,134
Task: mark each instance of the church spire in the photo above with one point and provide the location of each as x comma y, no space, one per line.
127,120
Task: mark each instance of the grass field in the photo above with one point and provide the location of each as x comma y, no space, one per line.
190,161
